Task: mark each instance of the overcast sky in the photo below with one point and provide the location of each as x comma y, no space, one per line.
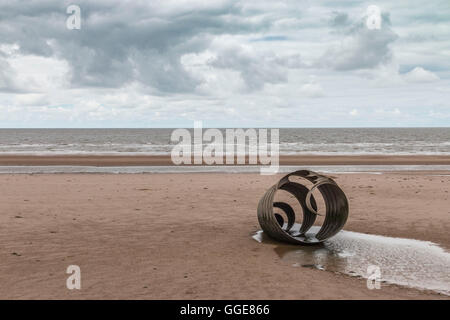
260,63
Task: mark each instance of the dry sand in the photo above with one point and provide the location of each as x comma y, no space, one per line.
188,236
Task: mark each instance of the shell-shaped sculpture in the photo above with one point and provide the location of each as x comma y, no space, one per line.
336,208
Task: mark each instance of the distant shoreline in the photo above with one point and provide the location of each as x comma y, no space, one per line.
165,160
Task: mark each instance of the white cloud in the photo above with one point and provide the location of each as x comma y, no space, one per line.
40,74
419,74
312,90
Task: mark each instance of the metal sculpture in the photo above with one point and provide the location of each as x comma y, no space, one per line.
336,206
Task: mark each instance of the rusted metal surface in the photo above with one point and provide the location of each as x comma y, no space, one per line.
336,209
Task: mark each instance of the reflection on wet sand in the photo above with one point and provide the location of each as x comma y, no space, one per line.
406,262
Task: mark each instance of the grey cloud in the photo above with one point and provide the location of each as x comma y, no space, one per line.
256,69
340,19
134,47
363,48
124,42
7,83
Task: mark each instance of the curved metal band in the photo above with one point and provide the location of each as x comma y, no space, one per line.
336,207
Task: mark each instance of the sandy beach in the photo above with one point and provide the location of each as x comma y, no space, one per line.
224,150
189,236
165,160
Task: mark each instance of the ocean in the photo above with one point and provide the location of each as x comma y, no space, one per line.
314,141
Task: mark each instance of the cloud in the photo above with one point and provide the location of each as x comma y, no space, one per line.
340,19
419,74
167,62
7,83
130,41
255,68
312,90
271,38
362,47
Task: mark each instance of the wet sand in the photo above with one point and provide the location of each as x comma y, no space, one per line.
165,160
189,236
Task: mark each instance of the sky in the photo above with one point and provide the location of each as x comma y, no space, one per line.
168,63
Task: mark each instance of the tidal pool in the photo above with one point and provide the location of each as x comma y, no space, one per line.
406,262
